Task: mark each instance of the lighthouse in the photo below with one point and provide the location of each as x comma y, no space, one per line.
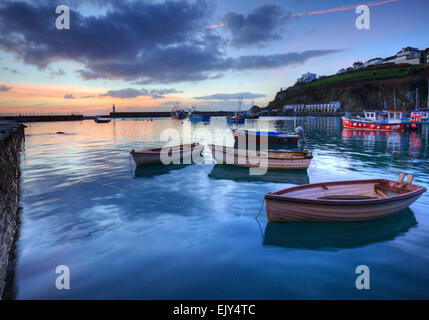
113,109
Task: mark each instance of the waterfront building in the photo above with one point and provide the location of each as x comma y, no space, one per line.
294,107
332,106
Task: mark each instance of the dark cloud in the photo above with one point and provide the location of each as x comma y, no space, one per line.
231,96
87,97
133,93
3,88
258,28
144,42
69,96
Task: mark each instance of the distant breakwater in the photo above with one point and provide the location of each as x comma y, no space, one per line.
42,118
11,138
164,114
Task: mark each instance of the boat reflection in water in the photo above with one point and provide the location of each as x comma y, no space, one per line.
225,171
334,236
151,170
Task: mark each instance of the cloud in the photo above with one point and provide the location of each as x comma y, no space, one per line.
69,96
3,88
11,70
58,73
87,97
144,42
171,103
133,93
231,96
262,25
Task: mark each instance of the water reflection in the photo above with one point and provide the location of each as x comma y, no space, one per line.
224,171
152,170
334,236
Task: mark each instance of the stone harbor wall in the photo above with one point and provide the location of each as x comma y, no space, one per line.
11,138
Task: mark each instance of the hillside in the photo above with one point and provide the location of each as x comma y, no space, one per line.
363,89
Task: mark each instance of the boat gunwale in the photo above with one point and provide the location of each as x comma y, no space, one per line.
302,155
158,150
267,133
277,195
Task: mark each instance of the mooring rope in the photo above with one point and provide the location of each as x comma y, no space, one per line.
315,164
262,205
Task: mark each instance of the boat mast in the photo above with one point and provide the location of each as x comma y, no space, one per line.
417,98
394,99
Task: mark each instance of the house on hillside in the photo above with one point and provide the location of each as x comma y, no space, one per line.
425,56
341,71
373,62
357,65
408,55
307,77
390,59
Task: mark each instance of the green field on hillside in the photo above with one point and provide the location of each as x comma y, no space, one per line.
366,75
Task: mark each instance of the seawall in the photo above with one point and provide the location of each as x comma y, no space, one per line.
11,137
42,118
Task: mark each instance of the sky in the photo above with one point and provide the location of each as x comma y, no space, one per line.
151,55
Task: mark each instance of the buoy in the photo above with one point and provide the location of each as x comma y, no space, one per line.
372,126
413,126
387,127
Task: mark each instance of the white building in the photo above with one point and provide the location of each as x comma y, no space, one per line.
294,107
341,71
307,77
373,62
408,55
357,65
332,106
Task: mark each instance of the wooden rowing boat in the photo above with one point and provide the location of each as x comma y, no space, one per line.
175,153
342,201
278,159
272,137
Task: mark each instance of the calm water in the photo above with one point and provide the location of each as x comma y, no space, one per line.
189,232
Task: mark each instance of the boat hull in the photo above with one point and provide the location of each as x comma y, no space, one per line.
283,208
177,154
256,159
372,126
254,136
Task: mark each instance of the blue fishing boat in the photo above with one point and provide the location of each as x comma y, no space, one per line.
194,116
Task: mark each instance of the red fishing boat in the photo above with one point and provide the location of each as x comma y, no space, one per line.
178,113
376,121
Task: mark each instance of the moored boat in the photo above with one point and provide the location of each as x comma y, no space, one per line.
178,113
237,118
101,120
278,159
376,121
174,153
272,137
342,201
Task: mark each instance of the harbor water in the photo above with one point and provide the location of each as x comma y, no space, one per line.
189,231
